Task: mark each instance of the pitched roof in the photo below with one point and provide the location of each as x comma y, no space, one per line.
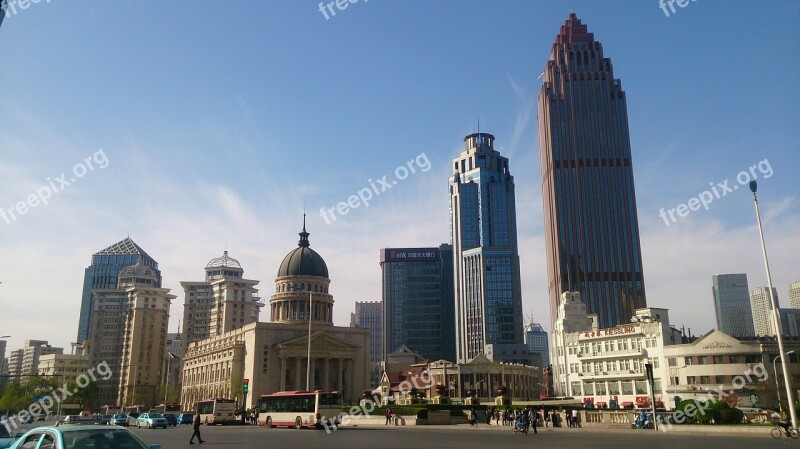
123,247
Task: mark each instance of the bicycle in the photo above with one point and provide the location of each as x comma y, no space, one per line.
778,431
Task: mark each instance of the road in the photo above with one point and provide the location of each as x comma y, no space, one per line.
448,437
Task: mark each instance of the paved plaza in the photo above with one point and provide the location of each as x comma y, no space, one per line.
461,437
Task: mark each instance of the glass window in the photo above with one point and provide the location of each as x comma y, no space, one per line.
718,359
641,387
687,361
627,387
672,361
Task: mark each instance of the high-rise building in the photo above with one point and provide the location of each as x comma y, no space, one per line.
794,295
538,344
790,322
129,333
418,300
591,223
483,233
15,362
32,350
103,272
761,308
369,315
223,302
732,304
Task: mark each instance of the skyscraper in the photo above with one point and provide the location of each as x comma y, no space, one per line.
418,301
223,302
369,315
591,224
538,344
483,232
761,308
732,304
103,272
794,295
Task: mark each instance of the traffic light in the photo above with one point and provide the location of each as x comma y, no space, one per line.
245,386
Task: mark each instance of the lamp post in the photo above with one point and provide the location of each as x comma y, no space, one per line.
775,310
777,388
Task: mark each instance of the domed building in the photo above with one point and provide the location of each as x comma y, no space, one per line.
273,356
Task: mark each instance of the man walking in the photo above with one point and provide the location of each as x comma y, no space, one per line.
196,432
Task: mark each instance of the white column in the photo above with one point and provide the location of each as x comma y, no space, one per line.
283,374
327,378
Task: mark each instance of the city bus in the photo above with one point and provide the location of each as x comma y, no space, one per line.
216,411
168,408
298,409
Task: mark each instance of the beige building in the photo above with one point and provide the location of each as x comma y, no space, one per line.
129,331
15,362
483,377
273,356
225,301
68,366
31,353
763,316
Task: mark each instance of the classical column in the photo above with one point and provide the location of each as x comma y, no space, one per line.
339,368
326,380
312,384
351,377
298,368
283,374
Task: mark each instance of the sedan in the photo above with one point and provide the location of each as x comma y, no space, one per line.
81,436
120,420
151,421
172,420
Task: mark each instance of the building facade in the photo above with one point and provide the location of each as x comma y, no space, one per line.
732,304
538,342
129,332
102,274
15,362
591,223
273,356
223,302
369,315
790,322
31,352
417,285
68,366
763,313
794,295
483,233
483,377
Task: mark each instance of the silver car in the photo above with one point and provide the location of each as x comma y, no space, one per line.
151,421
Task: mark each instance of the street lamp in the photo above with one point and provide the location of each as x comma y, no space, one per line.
775,310
777,388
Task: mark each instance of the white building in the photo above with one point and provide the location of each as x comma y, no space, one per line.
31,352
794,295
761,305
606,367
68,366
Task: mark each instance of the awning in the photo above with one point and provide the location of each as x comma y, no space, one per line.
627,404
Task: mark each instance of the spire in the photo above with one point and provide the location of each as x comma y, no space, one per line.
304,235
573,31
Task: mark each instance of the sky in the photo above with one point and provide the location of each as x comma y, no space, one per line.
195,130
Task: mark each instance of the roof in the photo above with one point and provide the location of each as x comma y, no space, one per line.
123,247
223,261
303,261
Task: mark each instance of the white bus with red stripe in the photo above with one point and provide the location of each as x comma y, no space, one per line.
299,409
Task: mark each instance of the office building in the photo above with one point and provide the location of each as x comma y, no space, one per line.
65,366
15,362
224,301
732,304
538,343
483,233
31,352
369,315
417,286
129,333
761,308
103,272
790,322
794,295
273,356
592,239
174,344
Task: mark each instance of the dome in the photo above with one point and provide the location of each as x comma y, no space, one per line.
139,270
303,261
224,261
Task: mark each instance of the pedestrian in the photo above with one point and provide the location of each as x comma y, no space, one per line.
545,417
196,432
488,416
388,416
473,418
568,418
534,420
496,416
575,418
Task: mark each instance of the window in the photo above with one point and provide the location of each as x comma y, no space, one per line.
752,358
734,359
672,361
31,441
719,379
705,380
718,359
691,380
687,361
627,387
641,387
702,360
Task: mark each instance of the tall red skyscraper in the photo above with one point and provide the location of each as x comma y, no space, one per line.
591,224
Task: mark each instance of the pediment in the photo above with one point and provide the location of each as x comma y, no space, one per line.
716,339
322,343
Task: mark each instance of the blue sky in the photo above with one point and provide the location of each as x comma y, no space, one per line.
219,123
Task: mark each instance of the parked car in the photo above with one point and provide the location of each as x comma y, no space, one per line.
185,418
89,436
172,420
6,439
120,419
151,421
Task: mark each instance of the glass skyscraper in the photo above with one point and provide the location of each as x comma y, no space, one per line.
103,272
732,304
418,301
483,231
591,224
